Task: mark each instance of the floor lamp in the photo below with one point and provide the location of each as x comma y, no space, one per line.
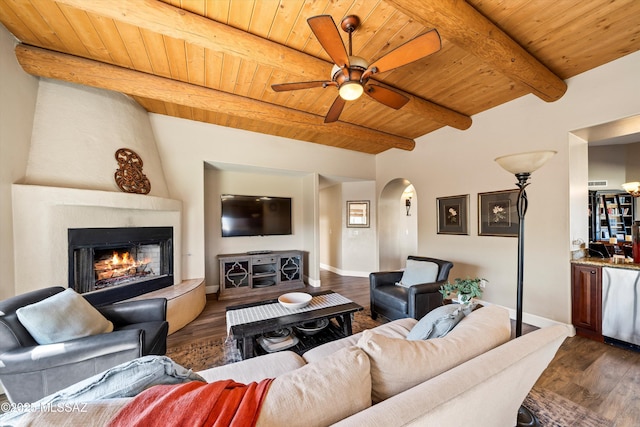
522,166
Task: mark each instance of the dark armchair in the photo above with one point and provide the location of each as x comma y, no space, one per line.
29,371
396,302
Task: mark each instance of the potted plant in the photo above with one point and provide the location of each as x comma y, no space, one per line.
466,289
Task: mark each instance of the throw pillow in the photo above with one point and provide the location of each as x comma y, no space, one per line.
62,317
398,364
417,272
437,323
320,393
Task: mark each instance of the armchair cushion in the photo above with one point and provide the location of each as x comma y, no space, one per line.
417,272
62,317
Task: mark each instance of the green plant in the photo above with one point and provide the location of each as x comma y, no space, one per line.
469,288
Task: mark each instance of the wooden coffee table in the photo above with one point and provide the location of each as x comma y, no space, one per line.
339,324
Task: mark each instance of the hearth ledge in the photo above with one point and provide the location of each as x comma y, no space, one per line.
185,302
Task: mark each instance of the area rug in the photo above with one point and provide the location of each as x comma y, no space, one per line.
207,354
553,410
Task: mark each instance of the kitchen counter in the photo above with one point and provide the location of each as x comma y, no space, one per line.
605,262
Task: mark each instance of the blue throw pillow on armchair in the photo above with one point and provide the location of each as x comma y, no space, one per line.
437,323
417,272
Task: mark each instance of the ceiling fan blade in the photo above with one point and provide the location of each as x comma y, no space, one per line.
329,37
282,87
386,96
412,50
336,109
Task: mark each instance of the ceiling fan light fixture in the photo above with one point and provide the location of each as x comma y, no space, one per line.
351,90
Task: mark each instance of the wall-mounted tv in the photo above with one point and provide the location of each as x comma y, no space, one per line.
255,215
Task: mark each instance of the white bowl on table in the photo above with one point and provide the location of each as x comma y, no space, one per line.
294,300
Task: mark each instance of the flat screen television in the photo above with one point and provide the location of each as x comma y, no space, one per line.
255,215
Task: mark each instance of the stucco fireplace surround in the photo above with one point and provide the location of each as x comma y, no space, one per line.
44,215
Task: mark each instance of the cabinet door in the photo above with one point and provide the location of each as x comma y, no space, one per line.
234,273
586,295
290,268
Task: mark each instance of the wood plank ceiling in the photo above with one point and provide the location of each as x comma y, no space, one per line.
215,60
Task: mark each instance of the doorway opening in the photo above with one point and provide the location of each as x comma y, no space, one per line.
398,224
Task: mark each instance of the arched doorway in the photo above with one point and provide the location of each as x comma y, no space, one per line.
397,224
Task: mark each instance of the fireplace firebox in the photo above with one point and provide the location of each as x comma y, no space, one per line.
107,265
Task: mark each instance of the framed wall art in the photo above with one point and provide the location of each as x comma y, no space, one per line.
453,217
497,213
358,214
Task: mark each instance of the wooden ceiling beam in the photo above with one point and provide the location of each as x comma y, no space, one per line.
45,63
461,24
174,22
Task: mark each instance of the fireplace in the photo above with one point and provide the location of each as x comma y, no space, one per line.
107,265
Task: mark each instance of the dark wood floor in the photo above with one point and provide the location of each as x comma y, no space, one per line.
211,322
598,376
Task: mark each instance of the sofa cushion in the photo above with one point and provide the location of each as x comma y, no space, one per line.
396,329
256,368
320,393
417,272
62,317
399,364
437,323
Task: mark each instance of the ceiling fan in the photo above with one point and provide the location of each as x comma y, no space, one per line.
351,74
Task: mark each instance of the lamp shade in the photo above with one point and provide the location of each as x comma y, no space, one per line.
351,90
524,162
632,188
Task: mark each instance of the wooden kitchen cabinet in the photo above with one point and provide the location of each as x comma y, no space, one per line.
586,300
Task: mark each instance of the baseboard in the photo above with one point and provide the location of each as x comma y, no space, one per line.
213,289
312,282
344,272
534,320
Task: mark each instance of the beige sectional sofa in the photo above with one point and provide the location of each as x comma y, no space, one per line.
473,376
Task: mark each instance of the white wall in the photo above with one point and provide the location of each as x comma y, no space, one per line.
18,94
185,146
609,162
359,244
451,162
331,224
76,132
218,182
344,250
633,162
397,232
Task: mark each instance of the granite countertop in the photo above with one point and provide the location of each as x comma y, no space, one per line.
605,262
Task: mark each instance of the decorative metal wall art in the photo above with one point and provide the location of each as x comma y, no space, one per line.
129,176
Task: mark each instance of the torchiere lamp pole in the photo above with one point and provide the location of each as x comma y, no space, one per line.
522,165
521,206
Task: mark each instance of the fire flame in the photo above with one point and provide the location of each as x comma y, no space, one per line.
119,265
126,260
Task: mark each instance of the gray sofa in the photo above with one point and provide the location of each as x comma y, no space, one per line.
29,371
473,376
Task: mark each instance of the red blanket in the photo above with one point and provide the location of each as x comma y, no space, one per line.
221,403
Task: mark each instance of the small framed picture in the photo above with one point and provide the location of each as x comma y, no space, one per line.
358,214
497,213
453,217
